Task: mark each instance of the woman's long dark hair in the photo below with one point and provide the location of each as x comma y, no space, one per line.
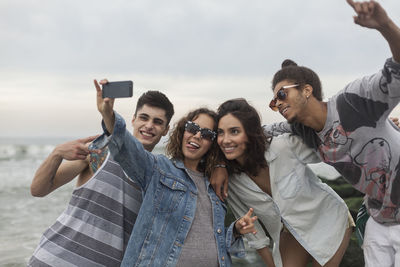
174,145
257,141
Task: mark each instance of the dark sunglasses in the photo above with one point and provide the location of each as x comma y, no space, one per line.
205,133
281,95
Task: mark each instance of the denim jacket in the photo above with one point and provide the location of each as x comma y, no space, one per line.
168,207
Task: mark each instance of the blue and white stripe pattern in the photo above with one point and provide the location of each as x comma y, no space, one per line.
95,227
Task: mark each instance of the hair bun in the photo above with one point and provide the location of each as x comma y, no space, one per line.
287,63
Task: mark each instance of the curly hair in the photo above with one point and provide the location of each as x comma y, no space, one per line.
257,141
174,145
300,75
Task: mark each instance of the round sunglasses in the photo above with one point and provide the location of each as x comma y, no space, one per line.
281,95
205,133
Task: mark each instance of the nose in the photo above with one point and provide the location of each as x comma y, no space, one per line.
149,125
224,139
278,103
197,135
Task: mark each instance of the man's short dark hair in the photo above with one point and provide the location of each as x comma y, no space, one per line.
158,100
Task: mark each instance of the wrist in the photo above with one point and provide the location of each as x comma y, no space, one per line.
387,28
107,114
235,231
58,153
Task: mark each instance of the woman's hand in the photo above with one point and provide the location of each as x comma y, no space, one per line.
245,224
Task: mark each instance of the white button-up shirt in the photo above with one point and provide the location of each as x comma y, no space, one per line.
312,212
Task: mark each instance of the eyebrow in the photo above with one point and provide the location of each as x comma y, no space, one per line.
143,115
230,128
148,116
158,120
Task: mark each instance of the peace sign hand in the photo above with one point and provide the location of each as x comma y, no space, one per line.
245,224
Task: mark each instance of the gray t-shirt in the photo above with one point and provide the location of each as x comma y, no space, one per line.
361,143
200,248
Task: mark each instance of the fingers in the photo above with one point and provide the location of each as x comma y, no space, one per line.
88,139
364,10
217,186
249,213
219,181
219,190
371,6
82,149
395,121
96,84
352,4
220,194
103,81
73,150
246,223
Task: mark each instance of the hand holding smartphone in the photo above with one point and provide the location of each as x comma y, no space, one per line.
118,89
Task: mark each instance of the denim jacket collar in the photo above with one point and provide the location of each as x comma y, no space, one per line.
178,163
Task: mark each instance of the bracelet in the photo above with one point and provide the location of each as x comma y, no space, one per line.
220,166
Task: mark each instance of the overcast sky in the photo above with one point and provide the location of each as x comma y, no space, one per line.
199,53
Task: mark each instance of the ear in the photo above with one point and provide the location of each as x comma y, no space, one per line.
165,131
307,90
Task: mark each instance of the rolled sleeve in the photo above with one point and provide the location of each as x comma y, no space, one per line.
235,246
258,243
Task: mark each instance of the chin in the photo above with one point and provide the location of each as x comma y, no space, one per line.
230,157
292,120
146,142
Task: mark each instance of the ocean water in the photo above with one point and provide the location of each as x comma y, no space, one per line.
24,218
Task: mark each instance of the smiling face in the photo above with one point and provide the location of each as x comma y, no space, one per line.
293,105
194,147
149,125
232,138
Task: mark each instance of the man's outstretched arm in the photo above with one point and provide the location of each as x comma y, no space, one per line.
53,172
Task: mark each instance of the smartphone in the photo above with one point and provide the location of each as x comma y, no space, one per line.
118,89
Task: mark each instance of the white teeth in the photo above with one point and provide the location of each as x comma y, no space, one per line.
228,149
147,134
194,144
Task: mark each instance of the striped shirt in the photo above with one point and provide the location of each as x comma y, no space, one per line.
95,227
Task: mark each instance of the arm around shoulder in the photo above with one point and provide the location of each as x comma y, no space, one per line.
302,151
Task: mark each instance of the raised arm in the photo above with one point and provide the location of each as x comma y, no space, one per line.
370,14
54,172
124,147
105,107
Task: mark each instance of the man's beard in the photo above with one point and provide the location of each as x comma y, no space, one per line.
292,120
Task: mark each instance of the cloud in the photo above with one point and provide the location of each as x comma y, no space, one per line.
181,37
198,52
